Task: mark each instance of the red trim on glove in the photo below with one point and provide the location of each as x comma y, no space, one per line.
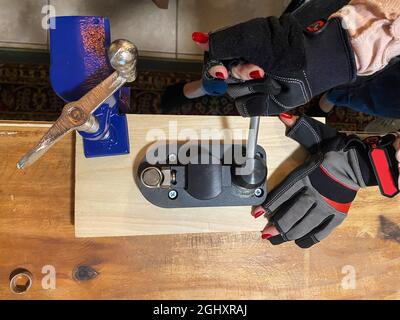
341,207
386,182
316,26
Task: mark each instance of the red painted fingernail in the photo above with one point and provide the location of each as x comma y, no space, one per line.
200,37
256,74
266,236
286,115
259,214
219,75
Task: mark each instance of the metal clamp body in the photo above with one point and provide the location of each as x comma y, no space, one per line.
173,182
79,62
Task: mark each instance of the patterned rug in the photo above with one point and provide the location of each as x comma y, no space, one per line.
26,94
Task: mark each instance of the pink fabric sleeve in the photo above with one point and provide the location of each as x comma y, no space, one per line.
374,28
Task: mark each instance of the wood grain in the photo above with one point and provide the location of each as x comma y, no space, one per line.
109,203
36,209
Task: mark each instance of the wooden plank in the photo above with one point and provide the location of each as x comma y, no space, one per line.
36,212
108,202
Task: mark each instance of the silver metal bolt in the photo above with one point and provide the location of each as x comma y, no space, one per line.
173,194
172,158
152,177
259,193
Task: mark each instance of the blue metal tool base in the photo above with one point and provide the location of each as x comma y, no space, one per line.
79,62
117,139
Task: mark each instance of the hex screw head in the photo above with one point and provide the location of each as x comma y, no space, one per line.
172,158
173,194
259,193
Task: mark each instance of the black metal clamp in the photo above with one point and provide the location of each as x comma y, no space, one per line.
192,175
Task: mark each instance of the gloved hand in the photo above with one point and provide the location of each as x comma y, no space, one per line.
314,199
298,64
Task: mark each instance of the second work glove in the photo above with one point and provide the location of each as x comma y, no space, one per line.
299,64
314,199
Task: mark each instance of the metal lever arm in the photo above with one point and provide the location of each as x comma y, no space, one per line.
252,140
253,137
78,115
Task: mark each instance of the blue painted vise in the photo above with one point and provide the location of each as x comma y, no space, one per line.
79,62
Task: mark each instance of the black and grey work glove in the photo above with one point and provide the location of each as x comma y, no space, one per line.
315,198
299,64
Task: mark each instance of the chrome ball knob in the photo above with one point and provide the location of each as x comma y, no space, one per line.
123,56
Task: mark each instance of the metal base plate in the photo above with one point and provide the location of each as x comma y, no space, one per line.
178,196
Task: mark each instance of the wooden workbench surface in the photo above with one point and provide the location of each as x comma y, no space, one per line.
36,229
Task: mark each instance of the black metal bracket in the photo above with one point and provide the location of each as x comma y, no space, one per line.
187,176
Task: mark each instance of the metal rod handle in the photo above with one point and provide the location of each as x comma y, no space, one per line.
253,137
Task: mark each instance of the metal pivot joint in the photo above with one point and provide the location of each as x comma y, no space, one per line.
94,108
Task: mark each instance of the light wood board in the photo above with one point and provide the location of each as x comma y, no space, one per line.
108,202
